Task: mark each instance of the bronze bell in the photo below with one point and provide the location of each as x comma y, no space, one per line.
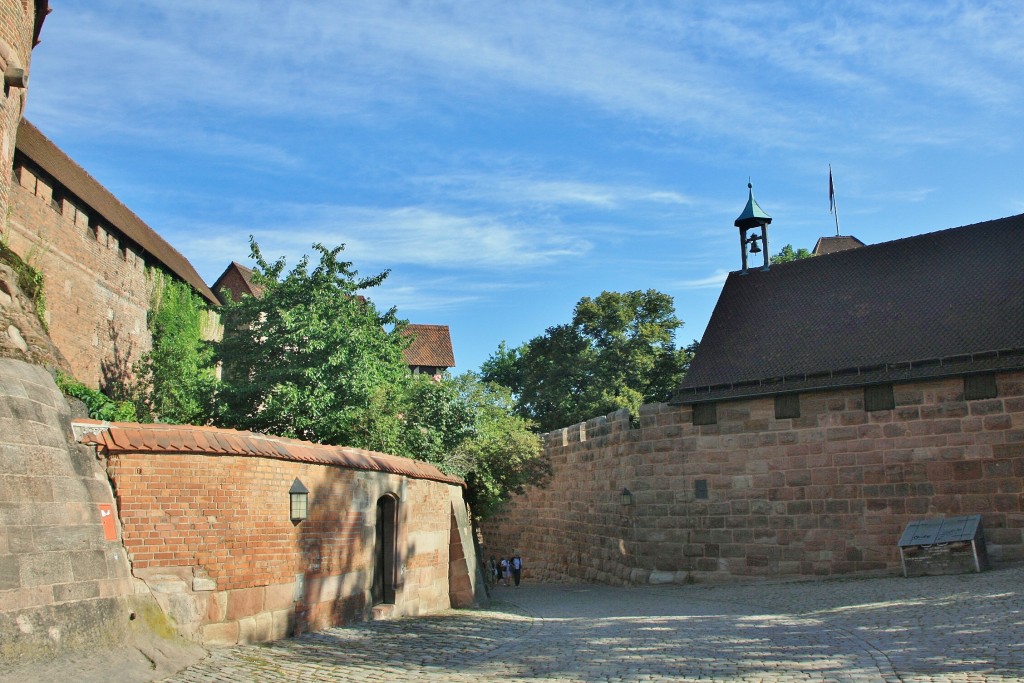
754,249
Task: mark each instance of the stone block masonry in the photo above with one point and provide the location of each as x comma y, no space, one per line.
97,292
826,493
63,583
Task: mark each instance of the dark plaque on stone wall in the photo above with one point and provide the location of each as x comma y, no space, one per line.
950,545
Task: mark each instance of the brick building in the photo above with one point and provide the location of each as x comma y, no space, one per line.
96,257
832,400
209,523
20,24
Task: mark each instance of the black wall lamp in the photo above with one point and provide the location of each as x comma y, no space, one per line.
626,497
299,501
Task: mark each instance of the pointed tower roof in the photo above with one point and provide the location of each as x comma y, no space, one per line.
753,215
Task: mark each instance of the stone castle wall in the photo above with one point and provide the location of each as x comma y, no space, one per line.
64,582
17,18
97,290
827,493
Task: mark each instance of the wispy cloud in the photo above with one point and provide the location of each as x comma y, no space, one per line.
523,189
403,235
713,281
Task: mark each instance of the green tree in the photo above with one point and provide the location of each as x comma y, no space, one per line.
177,379
436,419
503,455
787,254
312,358
618,352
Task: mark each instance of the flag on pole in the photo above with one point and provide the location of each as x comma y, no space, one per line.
831,192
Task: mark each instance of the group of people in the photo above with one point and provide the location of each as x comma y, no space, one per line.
505,569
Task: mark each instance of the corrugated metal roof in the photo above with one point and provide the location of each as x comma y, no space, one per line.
125,437
45,154
936,304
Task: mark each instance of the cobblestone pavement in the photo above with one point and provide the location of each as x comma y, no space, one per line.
937,629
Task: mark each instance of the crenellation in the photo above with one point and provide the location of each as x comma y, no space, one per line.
828,477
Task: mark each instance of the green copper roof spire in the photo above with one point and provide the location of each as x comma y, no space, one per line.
753,215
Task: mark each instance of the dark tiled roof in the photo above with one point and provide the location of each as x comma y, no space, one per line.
237,279
42,152
938,304
830,245
431,346
126,437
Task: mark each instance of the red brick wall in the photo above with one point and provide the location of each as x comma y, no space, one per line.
97,293
225,519
826,493
16,26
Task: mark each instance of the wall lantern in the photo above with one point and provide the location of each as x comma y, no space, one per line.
627,497
300,501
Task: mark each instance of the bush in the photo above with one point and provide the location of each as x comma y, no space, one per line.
100,406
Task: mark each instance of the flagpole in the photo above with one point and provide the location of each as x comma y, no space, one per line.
833,208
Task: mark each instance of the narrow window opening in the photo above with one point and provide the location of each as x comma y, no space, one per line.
977,387
786,406
700,489
879,397
705,413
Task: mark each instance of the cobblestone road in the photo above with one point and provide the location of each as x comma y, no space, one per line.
951,628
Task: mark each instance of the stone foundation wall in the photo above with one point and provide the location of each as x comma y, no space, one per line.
64,583
826,493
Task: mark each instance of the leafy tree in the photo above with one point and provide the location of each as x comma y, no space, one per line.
312,358
787,254
618,352
177,379
503,455
436,420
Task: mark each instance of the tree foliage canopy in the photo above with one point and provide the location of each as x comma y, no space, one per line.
311,358
176,380
618,352
787,254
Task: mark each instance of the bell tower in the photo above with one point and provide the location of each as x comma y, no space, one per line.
753,219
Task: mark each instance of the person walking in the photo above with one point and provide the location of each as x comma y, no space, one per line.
516,566
492,571
505,573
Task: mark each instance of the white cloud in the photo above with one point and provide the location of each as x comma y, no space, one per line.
383,237
521,189
713,281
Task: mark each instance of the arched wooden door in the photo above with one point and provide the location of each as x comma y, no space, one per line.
384,551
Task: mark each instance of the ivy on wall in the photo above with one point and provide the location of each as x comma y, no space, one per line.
100,406
30,280
177,378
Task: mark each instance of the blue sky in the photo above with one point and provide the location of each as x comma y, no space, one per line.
505,159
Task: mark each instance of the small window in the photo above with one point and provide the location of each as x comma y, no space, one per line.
700,489
787,405
879,397
979,386
705,413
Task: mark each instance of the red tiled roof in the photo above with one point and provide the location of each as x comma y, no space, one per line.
78,182
129,437
431,346
237,279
